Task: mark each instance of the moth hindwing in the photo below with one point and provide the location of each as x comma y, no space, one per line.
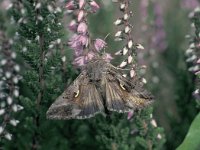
99,87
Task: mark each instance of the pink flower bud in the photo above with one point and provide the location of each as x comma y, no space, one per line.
82,28
94,6
198,61
81,3
70,5
80,15
79,61
72,25
130,115
89,56
99,44
197,73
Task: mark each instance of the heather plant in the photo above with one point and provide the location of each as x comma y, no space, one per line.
9,88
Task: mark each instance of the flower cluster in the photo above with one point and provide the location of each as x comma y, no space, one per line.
192,53
159,39
155,35
81,42
9,90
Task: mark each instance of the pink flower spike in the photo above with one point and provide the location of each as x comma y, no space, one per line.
70,5
99,44
107,57
81,3
130,115
72,25
80,15
82,28
95,7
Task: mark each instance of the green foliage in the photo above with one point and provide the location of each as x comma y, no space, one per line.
192,140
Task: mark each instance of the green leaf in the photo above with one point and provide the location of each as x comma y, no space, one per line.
192,140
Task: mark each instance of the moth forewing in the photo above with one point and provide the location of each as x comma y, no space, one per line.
129,90
79,101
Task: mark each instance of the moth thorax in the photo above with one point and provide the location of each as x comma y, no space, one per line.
96,70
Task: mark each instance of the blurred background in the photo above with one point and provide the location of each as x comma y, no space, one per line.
162,27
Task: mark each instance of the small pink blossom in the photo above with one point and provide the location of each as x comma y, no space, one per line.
89,56
70,5
130,115
82,60
79,61
107,57
198,61
95,7
99,44
197,73
81,3
81,15
72,25
82,28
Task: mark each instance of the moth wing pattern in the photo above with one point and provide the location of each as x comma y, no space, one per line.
79,101
123,94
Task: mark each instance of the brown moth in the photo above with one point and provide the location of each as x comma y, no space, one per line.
99,88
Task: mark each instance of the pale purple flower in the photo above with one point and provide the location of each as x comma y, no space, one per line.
82,28
159,38
82,60
107,57
189,4
81,3
99,44
90,56
73,25
79,61
94,6
78,40
143,7
70,5
130,115
81,15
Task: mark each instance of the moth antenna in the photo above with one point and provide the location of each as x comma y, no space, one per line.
106,36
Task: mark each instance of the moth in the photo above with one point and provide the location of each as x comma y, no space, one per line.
100,88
